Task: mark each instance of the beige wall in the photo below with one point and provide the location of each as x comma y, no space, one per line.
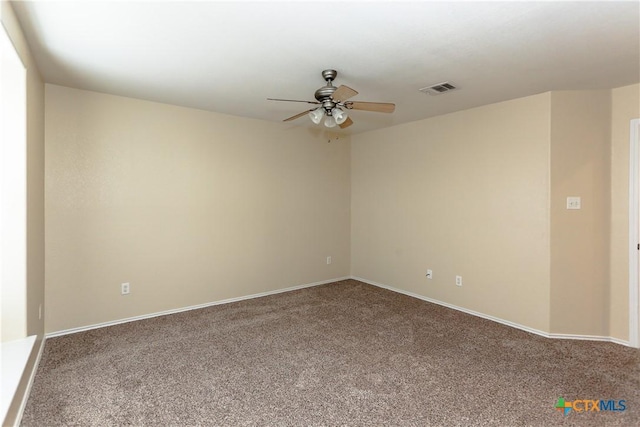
188,206
625,106
580,166
457,195
35,173
462,194
35,194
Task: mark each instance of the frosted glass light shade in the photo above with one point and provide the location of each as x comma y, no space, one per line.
316,115
330,122
340,115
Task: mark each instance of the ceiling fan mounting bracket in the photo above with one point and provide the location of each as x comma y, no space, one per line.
329,75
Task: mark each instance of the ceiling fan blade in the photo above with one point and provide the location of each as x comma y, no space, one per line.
378,107
343,93
292,100
346,123
297,116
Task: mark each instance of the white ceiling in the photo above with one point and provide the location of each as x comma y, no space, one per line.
229,57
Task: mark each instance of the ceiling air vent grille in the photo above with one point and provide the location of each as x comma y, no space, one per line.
439,88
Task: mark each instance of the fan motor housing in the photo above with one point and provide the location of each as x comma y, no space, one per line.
325,93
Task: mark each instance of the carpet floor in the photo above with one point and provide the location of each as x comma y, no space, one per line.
345,353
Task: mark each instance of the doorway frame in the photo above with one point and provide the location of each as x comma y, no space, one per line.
634,232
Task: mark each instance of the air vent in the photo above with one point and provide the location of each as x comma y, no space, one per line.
439,88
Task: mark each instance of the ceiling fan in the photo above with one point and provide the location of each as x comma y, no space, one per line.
333,104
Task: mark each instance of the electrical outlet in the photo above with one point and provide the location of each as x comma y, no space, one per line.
573,202
429,274
458,280
328,260
125,288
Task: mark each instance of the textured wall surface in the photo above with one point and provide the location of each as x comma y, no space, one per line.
580,166
35,198
187,206
462,194
625,106
35,173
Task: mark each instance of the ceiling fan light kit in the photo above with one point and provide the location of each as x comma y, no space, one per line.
316,115
330,122
334,117
333,104
340,115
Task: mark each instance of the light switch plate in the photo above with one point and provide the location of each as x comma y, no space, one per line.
573,202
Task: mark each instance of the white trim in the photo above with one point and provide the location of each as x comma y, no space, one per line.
32,377
619,341
586,338
14,357
634,215
324,282
495,319
455,307
192,307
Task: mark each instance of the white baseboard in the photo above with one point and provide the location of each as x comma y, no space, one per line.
588,338
497,319
621,342
32,377
324,282
192,307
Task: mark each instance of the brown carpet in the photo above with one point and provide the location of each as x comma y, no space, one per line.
340,354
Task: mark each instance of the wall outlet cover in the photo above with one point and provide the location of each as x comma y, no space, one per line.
574,202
